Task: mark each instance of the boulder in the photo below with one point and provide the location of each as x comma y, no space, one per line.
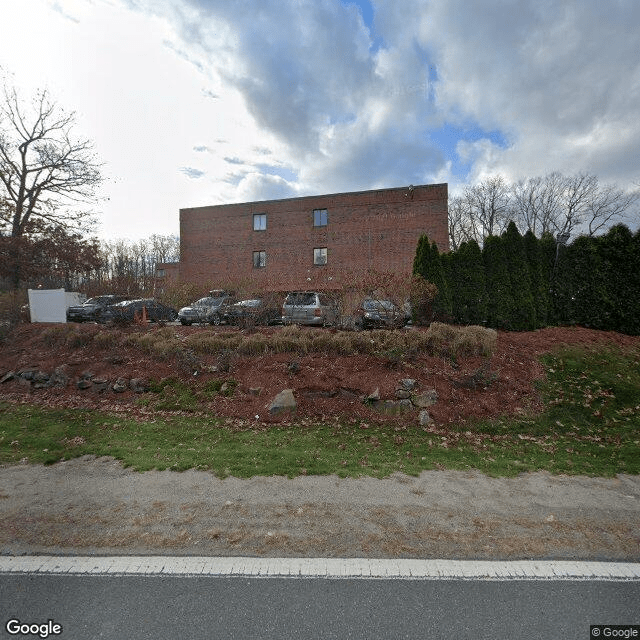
409,384
403,394
10,375
40,377
60,378
374,396
424,419
139,385
120,385
284,401
425,399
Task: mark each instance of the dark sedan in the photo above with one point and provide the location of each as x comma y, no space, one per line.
137,310
251,312
381,313
92,309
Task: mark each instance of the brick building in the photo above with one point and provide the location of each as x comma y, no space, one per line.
297,243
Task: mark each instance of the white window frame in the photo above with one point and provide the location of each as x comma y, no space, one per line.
259,221
320,257
320,218
259,259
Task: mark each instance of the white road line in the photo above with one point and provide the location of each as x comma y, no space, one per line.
320,567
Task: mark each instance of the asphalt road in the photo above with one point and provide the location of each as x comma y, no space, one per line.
176,607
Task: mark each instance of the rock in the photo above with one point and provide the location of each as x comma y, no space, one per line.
99,385
87,375
27,374
409,384
10,375
83,384
284,401
99,380
120,385
139,385
424,419
403,394
40,377
60,377
425,399
255,391
394,406
374,396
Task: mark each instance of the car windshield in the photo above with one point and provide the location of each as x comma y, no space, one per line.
373,305
208,302
248,303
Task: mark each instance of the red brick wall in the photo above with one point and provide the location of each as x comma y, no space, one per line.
368,229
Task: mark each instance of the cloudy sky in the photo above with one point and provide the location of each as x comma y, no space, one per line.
197,102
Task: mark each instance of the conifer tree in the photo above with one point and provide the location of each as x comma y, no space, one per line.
469,288
539,276
428,264
497,281
521,306
621,263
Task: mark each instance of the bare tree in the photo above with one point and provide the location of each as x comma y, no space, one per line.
488,208
44,170
567,204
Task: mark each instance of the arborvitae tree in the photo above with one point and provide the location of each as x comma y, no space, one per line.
497,280
539,275
428,264
587,276
442,303
423,253
549,251
522,311
621,263
468,285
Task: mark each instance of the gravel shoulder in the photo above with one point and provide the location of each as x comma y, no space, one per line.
95,506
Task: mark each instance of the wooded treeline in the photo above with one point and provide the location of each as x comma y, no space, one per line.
61,259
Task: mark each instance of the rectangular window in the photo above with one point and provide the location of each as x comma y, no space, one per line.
320,256
319,217
259,259
160,273
259,221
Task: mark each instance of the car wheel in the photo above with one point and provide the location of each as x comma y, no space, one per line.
215,320
186,323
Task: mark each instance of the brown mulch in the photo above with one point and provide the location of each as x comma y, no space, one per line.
324,385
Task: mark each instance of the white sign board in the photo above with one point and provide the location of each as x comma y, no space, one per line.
48,305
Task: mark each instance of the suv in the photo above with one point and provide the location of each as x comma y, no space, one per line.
308,307
92,309
206,309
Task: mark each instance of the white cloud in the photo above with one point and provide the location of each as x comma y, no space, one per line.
194,102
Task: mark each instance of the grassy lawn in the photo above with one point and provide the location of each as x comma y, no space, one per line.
591,425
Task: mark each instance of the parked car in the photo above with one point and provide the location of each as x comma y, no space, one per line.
128,310
374,313
256,311
207,309
308,307
91,310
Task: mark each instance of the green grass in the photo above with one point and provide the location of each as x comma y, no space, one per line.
591,425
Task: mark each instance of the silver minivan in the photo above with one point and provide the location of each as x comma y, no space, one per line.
308,307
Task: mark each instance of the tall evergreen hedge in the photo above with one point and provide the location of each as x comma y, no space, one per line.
521,282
